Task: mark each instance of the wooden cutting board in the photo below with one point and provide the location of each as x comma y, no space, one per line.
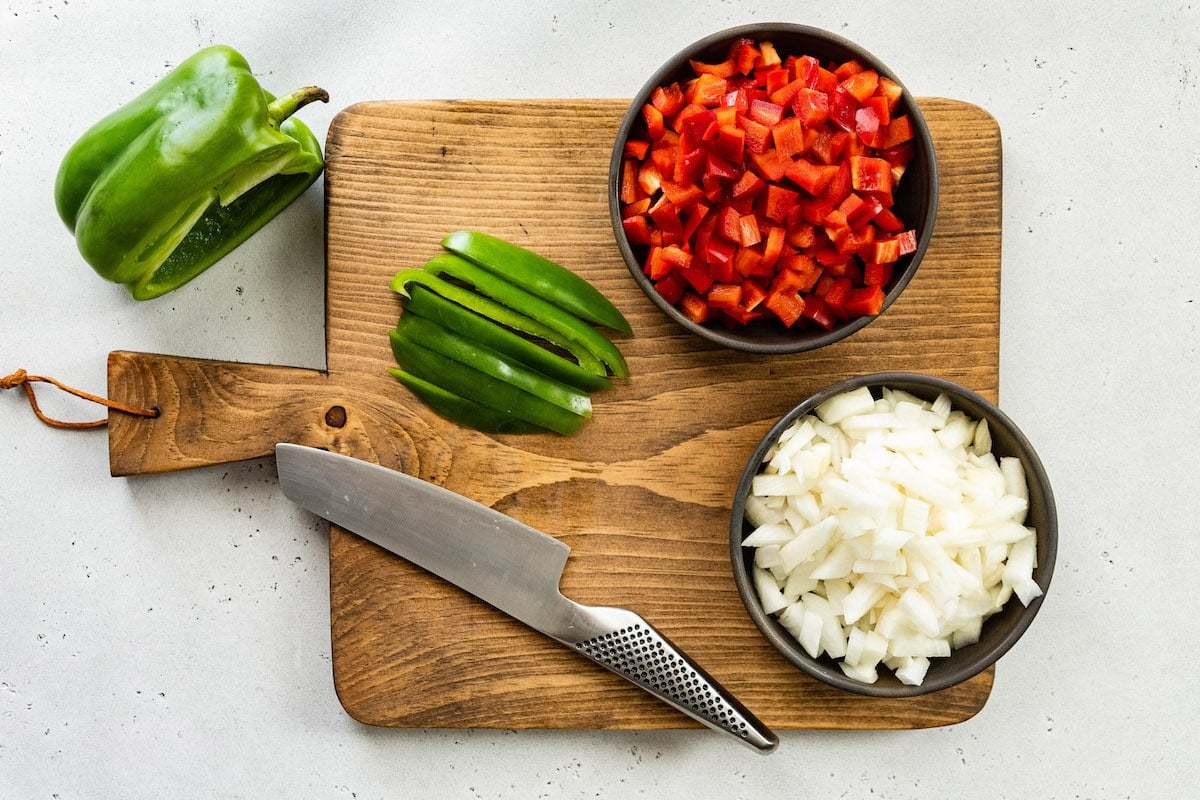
641,495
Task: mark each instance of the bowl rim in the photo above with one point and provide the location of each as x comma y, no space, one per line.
747,343
827,670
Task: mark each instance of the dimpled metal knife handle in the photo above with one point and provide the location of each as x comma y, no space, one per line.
621,641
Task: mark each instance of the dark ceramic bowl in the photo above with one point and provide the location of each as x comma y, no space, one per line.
1000,632
915,199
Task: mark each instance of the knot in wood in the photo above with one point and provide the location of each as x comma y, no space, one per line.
335,417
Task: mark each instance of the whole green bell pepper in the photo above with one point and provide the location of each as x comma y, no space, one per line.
164,187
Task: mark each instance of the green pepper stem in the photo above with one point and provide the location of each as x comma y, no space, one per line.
289,104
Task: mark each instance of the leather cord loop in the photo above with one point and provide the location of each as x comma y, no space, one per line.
25,380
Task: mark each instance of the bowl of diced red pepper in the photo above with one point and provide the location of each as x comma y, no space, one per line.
773,188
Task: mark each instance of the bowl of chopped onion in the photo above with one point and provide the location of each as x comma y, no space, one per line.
773,188
894,534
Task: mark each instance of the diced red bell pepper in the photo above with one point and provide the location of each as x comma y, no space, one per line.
829,145
769,164
724,295
768,56
697,277
787,306
791,138
779,202
749,184
676,257
666,216
868,126
862,84
693,125
785,95
655,265
842,106
899,131
649,178
757,135
807,69
809,176
885,251
864,301
747,262
663,158
801,235
891,90
840,186
655,127
730,143
835,296
773,247
682,195
773,80
719,253
770,172
693,217
811,107
636,149
750,234
817,310
729,224
629,181
880,106
636,208
671,288
799,274
847,68
886,220
752,294
720,168
744,56
720,69
637,229
877,274
765,112
694,307
667,99
869,174
706,90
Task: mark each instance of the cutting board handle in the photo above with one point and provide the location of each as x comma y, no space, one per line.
216,412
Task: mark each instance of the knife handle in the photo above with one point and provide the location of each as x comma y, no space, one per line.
625,643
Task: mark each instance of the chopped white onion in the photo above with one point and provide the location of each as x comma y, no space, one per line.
886,532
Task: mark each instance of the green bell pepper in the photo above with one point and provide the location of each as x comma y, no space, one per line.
564,323
425,303
164,187
537,275
468,383
461,410
406,279
478,356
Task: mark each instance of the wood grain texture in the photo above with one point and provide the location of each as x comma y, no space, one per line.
641,495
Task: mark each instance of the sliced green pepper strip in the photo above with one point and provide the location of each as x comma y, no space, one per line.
495,311
461,410
433,336
425,303
539,276
165,186
478,387
500,290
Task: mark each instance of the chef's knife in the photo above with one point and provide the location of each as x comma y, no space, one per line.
510,566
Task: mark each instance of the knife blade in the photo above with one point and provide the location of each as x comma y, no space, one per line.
511,566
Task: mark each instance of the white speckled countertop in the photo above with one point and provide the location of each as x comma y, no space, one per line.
169,636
